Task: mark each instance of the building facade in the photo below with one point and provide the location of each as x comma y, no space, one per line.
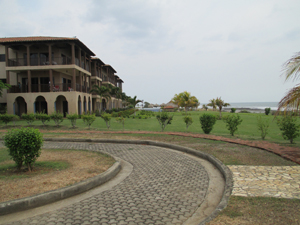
49,74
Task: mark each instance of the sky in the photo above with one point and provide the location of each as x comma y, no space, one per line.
231,49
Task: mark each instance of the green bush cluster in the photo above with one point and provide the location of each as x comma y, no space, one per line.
43,117
88,119
57,117
30,117
232,110
267,111
188,121
232,123
73,118
146,113
164,119
7,118
24,145
207,122
289,127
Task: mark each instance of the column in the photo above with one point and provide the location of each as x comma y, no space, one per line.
73,53
50,56
6,55
29,80
28,55
51,80
80,81
74,79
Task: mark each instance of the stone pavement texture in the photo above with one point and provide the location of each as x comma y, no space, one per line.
266,181
152,194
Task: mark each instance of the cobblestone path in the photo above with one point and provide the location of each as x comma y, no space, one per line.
165,187
267,181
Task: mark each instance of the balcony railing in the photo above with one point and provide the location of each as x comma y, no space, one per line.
22,88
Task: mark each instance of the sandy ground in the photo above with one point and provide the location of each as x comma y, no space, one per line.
83,165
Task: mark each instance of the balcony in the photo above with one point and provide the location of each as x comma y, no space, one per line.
46,88
40,61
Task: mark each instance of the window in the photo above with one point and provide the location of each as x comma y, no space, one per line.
2,57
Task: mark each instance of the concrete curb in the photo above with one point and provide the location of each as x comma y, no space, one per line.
225,171
59,194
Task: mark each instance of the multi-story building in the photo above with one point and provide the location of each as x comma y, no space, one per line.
49,74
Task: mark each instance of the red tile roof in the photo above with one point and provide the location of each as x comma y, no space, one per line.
8,40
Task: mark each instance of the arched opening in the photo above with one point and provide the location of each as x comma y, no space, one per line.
84,104
61,105
40,105
103,104
90,105
79,105
20,106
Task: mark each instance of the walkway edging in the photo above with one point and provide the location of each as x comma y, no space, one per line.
59,194
225,171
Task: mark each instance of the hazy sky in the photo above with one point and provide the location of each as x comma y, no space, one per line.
230,48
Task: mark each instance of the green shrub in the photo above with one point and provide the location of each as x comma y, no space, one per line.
57,117
164,119
42,117
232,110
115,114
106,117
88,119
24,146
289,127
72,118
267,111
188,121
207,122
263,126
232,123
28,117
7,118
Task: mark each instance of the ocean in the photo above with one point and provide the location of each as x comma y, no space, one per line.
240,105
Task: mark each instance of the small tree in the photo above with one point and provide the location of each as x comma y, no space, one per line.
289,127
207,122
267,111
30,117
57,117
121,120
220,104
232,123
72,118
7,118
204,107
232,110
262,126
106,117
24,146
88,119
188,121
164,119
45,118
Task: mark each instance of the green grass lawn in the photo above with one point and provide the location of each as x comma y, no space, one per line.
247,130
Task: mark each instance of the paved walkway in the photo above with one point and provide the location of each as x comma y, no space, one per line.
266,181
165,187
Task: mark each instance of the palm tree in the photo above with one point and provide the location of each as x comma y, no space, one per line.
220,103
185,100
291,70
133,101
212,104
102,91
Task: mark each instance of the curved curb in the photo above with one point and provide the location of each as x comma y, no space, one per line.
225,171
59,194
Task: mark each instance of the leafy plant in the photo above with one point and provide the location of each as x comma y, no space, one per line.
263,126
42,117
232,110
289,127
207,122
7,118
232,123
24,146
188,121
164,119
106,117
72,118
30,117
267,111
88,119
57,117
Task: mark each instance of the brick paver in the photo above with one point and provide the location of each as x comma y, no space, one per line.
165,187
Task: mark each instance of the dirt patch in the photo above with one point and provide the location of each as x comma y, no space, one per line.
83,165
